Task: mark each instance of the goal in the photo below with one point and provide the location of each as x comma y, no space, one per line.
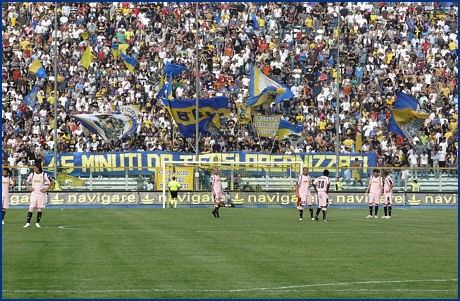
245,178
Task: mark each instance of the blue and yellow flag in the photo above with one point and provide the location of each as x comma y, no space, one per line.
31,98
161,87
212,113
130,62
286,129
117,48
171,70
406,119
87,57
36,68
109,126
264,90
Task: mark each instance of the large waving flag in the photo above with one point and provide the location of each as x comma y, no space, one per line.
109,126
264,90
212,112
36,68
406,120
172,70
286,129
87,57
130,62
117,48
31,98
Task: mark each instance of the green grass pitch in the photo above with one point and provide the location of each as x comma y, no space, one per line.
247,253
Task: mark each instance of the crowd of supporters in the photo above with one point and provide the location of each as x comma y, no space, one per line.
384,48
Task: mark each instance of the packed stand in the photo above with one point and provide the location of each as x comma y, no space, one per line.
384,48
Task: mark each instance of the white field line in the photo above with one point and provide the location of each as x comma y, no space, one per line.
281,288
80,227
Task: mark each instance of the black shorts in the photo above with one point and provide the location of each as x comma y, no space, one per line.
174,194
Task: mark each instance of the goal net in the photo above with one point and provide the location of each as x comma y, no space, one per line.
242,182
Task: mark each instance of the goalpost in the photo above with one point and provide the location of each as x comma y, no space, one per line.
256,177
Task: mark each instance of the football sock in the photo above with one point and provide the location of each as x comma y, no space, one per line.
324,215
376,210
3,214
370,210
317,211
29,216
385,210
39,216
389,210
301,213
311,212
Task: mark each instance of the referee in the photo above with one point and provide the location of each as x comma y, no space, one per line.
173,187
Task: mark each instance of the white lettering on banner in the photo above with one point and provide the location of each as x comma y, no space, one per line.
239,198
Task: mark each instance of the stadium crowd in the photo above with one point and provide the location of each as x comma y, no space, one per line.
384,48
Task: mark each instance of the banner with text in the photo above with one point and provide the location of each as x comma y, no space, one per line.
184,176
244,199
118,164
267,126
79,198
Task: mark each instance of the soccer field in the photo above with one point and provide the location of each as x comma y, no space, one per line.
247,253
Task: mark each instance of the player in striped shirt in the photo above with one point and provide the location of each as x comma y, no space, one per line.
321,186
217,192
387,193
7,181
374,189
303,193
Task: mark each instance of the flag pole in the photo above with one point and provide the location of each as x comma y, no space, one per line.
197,95
55,91
337,107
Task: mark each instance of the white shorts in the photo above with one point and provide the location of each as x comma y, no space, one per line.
387,198
37,200
5,202
322,199
305,200
374,198
219,198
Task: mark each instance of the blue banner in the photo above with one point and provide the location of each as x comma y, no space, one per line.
212,113
117,164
